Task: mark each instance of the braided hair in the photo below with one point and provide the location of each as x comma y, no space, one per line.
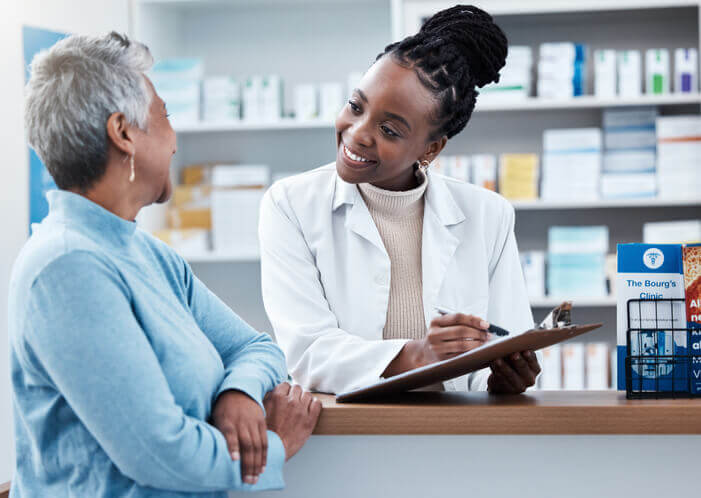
455,51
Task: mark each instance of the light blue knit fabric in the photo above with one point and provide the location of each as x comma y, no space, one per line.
117,353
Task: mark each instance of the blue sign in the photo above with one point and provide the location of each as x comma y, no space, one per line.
40,181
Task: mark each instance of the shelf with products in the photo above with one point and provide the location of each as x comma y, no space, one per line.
530,104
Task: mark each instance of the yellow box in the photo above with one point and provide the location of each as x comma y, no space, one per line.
192,196
186,217
196,174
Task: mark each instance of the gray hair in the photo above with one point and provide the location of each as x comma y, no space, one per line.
73,89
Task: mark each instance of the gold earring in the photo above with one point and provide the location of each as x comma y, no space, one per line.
132,175
424,164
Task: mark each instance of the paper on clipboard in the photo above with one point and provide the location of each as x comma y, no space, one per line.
467,362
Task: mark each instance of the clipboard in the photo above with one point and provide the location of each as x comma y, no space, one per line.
467,362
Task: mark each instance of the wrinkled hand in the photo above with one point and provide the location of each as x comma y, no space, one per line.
292,414
513,374
242,422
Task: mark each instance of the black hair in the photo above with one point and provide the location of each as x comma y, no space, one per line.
455,51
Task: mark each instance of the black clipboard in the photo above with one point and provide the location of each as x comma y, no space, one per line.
470,361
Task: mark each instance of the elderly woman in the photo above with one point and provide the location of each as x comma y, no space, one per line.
121,358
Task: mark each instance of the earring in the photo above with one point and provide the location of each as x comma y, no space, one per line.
424,165
132,175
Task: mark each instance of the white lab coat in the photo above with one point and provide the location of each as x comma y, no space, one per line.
325,274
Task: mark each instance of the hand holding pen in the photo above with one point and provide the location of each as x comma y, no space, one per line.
448,336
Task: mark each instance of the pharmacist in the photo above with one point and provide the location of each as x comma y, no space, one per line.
356,256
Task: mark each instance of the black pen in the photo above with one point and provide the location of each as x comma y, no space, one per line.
492,328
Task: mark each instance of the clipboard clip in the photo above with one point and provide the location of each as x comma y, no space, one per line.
560,316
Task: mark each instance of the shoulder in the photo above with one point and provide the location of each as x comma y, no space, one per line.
305,184
54,248
476,201
312,189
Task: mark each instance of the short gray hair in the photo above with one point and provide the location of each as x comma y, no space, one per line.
73,89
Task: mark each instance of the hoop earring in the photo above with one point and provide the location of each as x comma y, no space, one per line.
132,176
423,165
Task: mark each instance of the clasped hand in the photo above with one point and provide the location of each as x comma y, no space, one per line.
291,413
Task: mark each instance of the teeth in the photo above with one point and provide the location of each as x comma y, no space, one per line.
353,156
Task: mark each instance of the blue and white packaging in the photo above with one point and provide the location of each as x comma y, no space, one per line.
648,272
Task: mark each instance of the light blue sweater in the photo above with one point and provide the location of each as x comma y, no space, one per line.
117,354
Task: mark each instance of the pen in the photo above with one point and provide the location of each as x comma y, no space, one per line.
492,328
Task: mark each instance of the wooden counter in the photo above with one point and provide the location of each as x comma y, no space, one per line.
539,412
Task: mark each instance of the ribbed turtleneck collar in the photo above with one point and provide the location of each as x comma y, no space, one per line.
86,216
395,204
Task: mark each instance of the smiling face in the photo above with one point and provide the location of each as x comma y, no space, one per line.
385,128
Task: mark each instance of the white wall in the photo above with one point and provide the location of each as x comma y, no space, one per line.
75,16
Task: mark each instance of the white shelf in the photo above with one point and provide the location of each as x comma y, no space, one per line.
582,302
587,102
603,203
221,257
283,124
530,104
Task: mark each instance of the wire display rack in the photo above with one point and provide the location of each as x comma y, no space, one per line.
663,355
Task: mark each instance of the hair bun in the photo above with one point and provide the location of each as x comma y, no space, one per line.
474,35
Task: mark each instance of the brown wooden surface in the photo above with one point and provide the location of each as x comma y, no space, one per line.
4,490
539,412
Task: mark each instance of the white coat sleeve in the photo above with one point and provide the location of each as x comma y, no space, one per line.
320,356
509,306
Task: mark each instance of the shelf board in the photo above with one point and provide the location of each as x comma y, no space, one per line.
544,205
221,257
283,124
530,104
587,102
581,302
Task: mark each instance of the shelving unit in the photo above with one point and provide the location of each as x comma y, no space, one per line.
531,104
245,37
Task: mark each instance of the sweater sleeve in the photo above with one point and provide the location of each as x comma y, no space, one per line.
85,336
253,363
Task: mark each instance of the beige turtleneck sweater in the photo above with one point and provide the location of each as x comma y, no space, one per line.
399,219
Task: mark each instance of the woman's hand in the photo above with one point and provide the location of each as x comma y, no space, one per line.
242,422
448,336
513,374
291,413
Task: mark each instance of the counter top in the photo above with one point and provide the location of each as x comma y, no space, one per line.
537,412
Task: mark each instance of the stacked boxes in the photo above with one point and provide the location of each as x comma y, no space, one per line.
630,154
479,169
518,176
571,164
221,99
562,70
678,153
514,78
237,191
177,82
576,261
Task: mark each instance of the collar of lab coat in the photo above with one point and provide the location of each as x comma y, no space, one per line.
439,199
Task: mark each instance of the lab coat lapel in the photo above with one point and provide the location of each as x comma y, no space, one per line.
439,244
358,219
